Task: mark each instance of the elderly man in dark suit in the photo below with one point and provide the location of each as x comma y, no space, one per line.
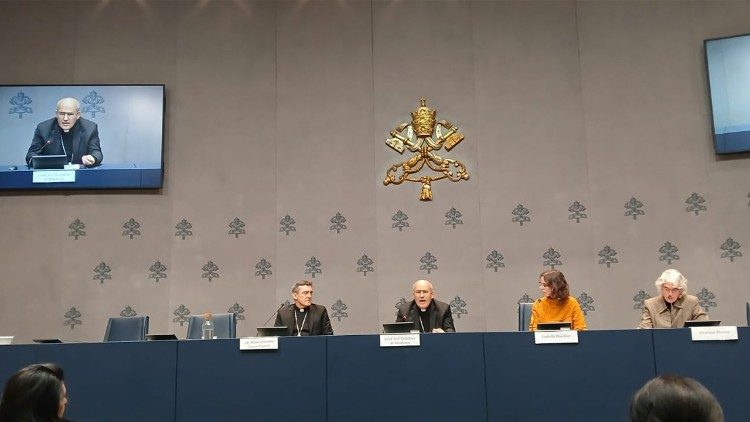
67,134
302,317
428,314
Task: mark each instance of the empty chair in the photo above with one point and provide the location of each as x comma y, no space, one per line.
524,316
225,326
127,329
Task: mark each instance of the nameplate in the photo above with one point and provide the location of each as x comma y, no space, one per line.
556,337
720,333
399,340
53,176
259,343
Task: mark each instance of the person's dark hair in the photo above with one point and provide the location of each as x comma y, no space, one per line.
557,283
299,284
673,398
33,394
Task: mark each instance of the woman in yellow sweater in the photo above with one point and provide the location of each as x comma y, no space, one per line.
557,305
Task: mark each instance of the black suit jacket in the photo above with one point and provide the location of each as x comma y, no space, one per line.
440,315
317,320
85,141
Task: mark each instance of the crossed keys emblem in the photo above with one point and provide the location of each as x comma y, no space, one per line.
417,137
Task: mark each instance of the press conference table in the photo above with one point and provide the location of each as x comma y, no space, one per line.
450,377
123,175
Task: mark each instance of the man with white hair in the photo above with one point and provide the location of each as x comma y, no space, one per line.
67,134
428,314
673,306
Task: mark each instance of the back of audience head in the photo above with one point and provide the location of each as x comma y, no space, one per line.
35,393
673,398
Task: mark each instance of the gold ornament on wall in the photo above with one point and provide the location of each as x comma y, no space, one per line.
417,137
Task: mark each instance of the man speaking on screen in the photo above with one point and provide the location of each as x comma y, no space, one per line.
67,134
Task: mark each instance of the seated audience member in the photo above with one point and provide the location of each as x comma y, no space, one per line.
673,306
428,314
35,393
302,317
557,305
672,398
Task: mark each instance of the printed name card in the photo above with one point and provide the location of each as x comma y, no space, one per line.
720,333
259,343
399,340
53,176
555,337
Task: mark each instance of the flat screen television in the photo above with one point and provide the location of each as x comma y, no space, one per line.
728,69
116,142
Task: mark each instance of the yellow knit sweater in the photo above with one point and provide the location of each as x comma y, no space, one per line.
551,310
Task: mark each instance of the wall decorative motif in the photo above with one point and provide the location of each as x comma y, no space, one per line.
181,315
706,299
128,312
287,225
668,253
364,265
313,266
607,256
337,223
264,268
236,227
416,136
339,309
238,311
210,271
158,271
695,203
101,272
731,249
577,211
92,104
72,318
399,219
633,207
639,298
183,229
453,217
20,104
495,260
77,229
131,228
458,307
551,258
521,215
586,302
429,263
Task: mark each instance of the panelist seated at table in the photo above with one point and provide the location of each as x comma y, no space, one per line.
557,305
302,317
35,393
428,314
673,306
67,134
673,398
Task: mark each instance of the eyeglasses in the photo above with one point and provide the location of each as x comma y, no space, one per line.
666,289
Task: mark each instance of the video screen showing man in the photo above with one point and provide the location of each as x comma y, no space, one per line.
67,134
302,317
428,314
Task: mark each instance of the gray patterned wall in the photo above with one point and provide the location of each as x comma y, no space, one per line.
587,141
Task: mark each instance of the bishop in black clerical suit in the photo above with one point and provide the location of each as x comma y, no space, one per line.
428,314
302,317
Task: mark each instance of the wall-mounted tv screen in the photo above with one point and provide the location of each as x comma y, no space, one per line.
728,64
81,137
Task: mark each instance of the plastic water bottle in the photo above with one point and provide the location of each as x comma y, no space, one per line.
208,327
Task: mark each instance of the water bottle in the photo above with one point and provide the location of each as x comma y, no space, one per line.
208,327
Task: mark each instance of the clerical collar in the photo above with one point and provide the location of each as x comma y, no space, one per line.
299,309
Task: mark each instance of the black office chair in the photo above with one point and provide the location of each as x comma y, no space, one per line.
524,316
127,329
225,326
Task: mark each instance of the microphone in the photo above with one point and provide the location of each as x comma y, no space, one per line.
274,313
49,141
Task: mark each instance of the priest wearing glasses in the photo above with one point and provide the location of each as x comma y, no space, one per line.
302,317
428,314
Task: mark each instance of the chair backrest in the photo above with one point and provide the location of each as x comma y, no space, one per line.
127,329
524,316
225,326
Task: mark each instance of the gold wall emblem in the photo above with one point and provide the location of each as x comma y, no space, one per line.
417,137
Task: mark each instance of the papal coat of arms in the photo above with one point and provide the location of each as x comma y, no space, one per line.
425,136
